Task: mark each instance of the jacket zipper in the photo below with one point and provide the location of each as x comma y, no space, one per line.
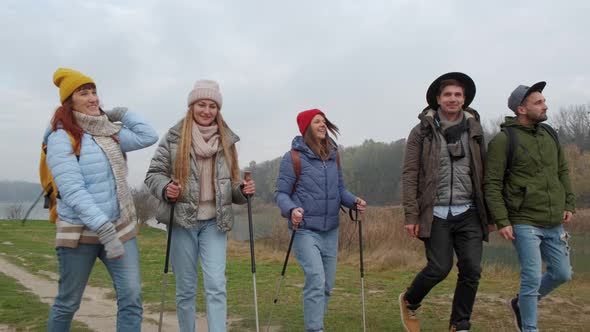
537,137
326,192
452,178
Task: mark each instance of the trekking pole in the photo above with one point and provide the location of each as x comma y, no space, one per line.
356,212
276,298
32,206
247,177
165,277
356,217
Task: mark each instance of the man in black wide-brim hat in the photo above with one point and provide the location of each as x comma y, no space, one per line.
443,197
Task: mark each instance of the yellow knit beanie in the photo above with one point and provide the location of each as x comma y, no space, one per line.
68,80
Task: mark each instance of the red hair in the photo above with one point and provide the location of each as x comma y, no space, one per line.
63,118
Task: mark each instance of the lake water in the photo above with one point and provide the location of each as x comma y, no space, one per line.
240,231
38,211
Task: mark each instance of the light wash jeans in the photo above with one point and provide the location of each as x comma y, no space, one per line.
316,252
75,265
534,246
207,244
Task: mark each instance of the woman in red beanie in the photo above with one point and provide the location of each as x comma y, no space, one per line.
311,201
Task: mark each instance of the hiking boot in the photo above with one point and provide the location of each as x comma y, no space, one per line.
515,310
453,328
409,316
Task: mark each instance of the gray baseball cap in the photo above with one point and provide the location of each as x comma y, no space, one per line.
521,92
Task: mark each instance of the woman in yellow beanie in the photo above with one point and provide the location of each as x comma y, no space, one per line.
196,166
96,217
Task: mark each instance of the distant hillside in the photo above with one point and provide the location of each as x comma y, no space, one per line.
18,191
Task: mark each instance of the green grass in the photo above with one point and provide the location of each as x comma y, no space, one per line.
23,310
31,246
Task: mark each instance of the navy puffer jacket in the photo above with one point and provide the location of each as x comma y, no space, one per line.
320,190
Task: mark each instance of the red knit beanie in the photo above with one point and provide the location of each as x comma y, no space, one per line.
304,118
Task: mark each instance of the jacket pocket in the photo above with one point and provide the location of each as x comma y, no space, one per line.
163,214
558,201
515,198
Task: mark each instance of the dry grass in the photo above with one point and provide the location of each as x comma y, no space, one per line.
581,222
385,244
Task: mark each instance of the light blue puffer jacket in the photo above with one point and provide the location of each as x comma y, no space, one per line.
87,186
320,190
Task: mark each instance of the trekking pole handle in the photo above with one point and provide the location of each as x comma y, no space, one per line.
248,177
299,215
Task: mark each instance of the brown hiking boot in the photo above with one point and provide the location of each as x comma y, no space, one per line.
409,316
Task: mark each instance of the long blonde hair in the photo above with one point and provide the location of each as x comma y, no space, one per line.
321,147
182,168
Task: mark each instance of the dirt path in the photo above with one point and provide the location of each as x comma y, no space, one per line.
96,311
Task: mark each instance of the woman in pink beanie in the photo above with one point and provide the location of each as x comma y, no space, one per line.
310,199
196,167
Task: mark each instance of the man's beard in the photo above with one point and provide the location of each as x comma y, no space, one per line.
537,118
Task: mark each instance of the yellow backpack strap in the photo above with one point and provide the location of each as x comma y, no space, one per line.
44,173
49,186
75,147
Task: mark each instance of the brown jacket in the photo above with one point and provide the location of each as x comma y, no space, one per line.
420,172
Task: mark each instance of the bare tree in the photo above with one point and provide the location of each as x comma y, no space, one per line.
15,211
573,125
492,128
145,204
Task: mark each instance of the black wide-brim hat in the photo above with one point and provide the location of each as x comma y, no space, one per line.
434,87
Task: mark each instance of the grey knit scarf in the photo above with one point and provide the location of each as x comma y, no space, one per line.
103,132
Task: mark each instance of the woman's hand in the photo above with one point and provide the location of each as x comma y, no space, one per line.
296,216
361,205
173,190
248,187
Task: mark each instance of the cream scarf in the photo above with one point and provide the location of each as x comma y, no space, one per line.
205,144
103,132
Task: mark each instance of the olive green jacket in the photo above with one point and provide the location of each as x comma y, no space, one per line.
537,190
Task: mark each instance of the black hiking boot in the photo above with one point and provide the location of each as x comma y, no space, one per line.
515,310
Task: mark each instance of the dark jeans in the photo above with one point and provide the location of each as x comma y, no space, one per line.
463,234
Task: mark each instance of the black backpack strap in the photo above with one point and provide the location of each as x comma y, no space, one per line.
511,144
551,132
425,133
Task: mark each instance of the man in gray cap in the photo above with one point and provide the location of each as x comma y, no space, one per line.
442,187
529,197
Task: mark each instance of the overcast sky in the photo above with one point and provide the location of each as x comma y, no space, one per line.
366,64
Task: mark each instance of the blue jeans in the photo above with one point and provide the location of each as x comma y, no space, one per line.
207,244
534,246
75,265
316,252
